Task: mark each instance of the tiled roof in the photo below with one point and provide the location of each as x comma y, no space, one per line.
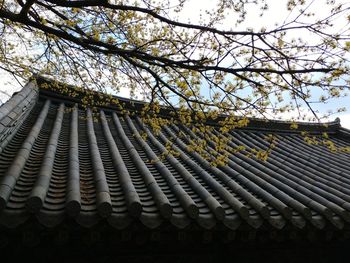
59,161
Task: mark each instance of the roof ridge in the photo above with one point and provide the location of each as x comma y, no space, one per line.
137,105
16,98
344,131
15,110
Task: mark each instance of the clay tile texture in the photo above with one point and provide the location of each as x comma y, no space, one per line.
60,161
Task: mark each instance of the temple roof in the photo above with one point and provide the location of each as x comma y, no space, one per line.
60,161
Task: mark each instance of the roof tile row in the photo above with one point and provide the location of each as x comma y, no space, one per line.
59,161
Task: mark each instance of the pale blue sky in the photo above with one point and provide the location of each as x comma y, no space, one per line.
275,14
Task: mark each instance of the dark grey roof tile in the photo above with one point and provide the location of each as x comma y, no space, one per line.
57,163
318,221
13,218
39,190
160,198
180,220
151,220
120,220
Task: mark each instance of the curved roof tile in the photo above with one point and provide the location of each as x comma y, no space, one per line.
58,160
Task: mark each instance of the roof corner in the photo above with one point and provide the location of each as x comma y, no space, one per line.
13,111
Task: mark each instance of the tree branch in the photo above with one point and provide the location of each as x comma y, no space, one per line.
26,7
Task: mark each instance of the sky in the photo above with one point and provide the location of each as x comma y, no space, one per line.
191,12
